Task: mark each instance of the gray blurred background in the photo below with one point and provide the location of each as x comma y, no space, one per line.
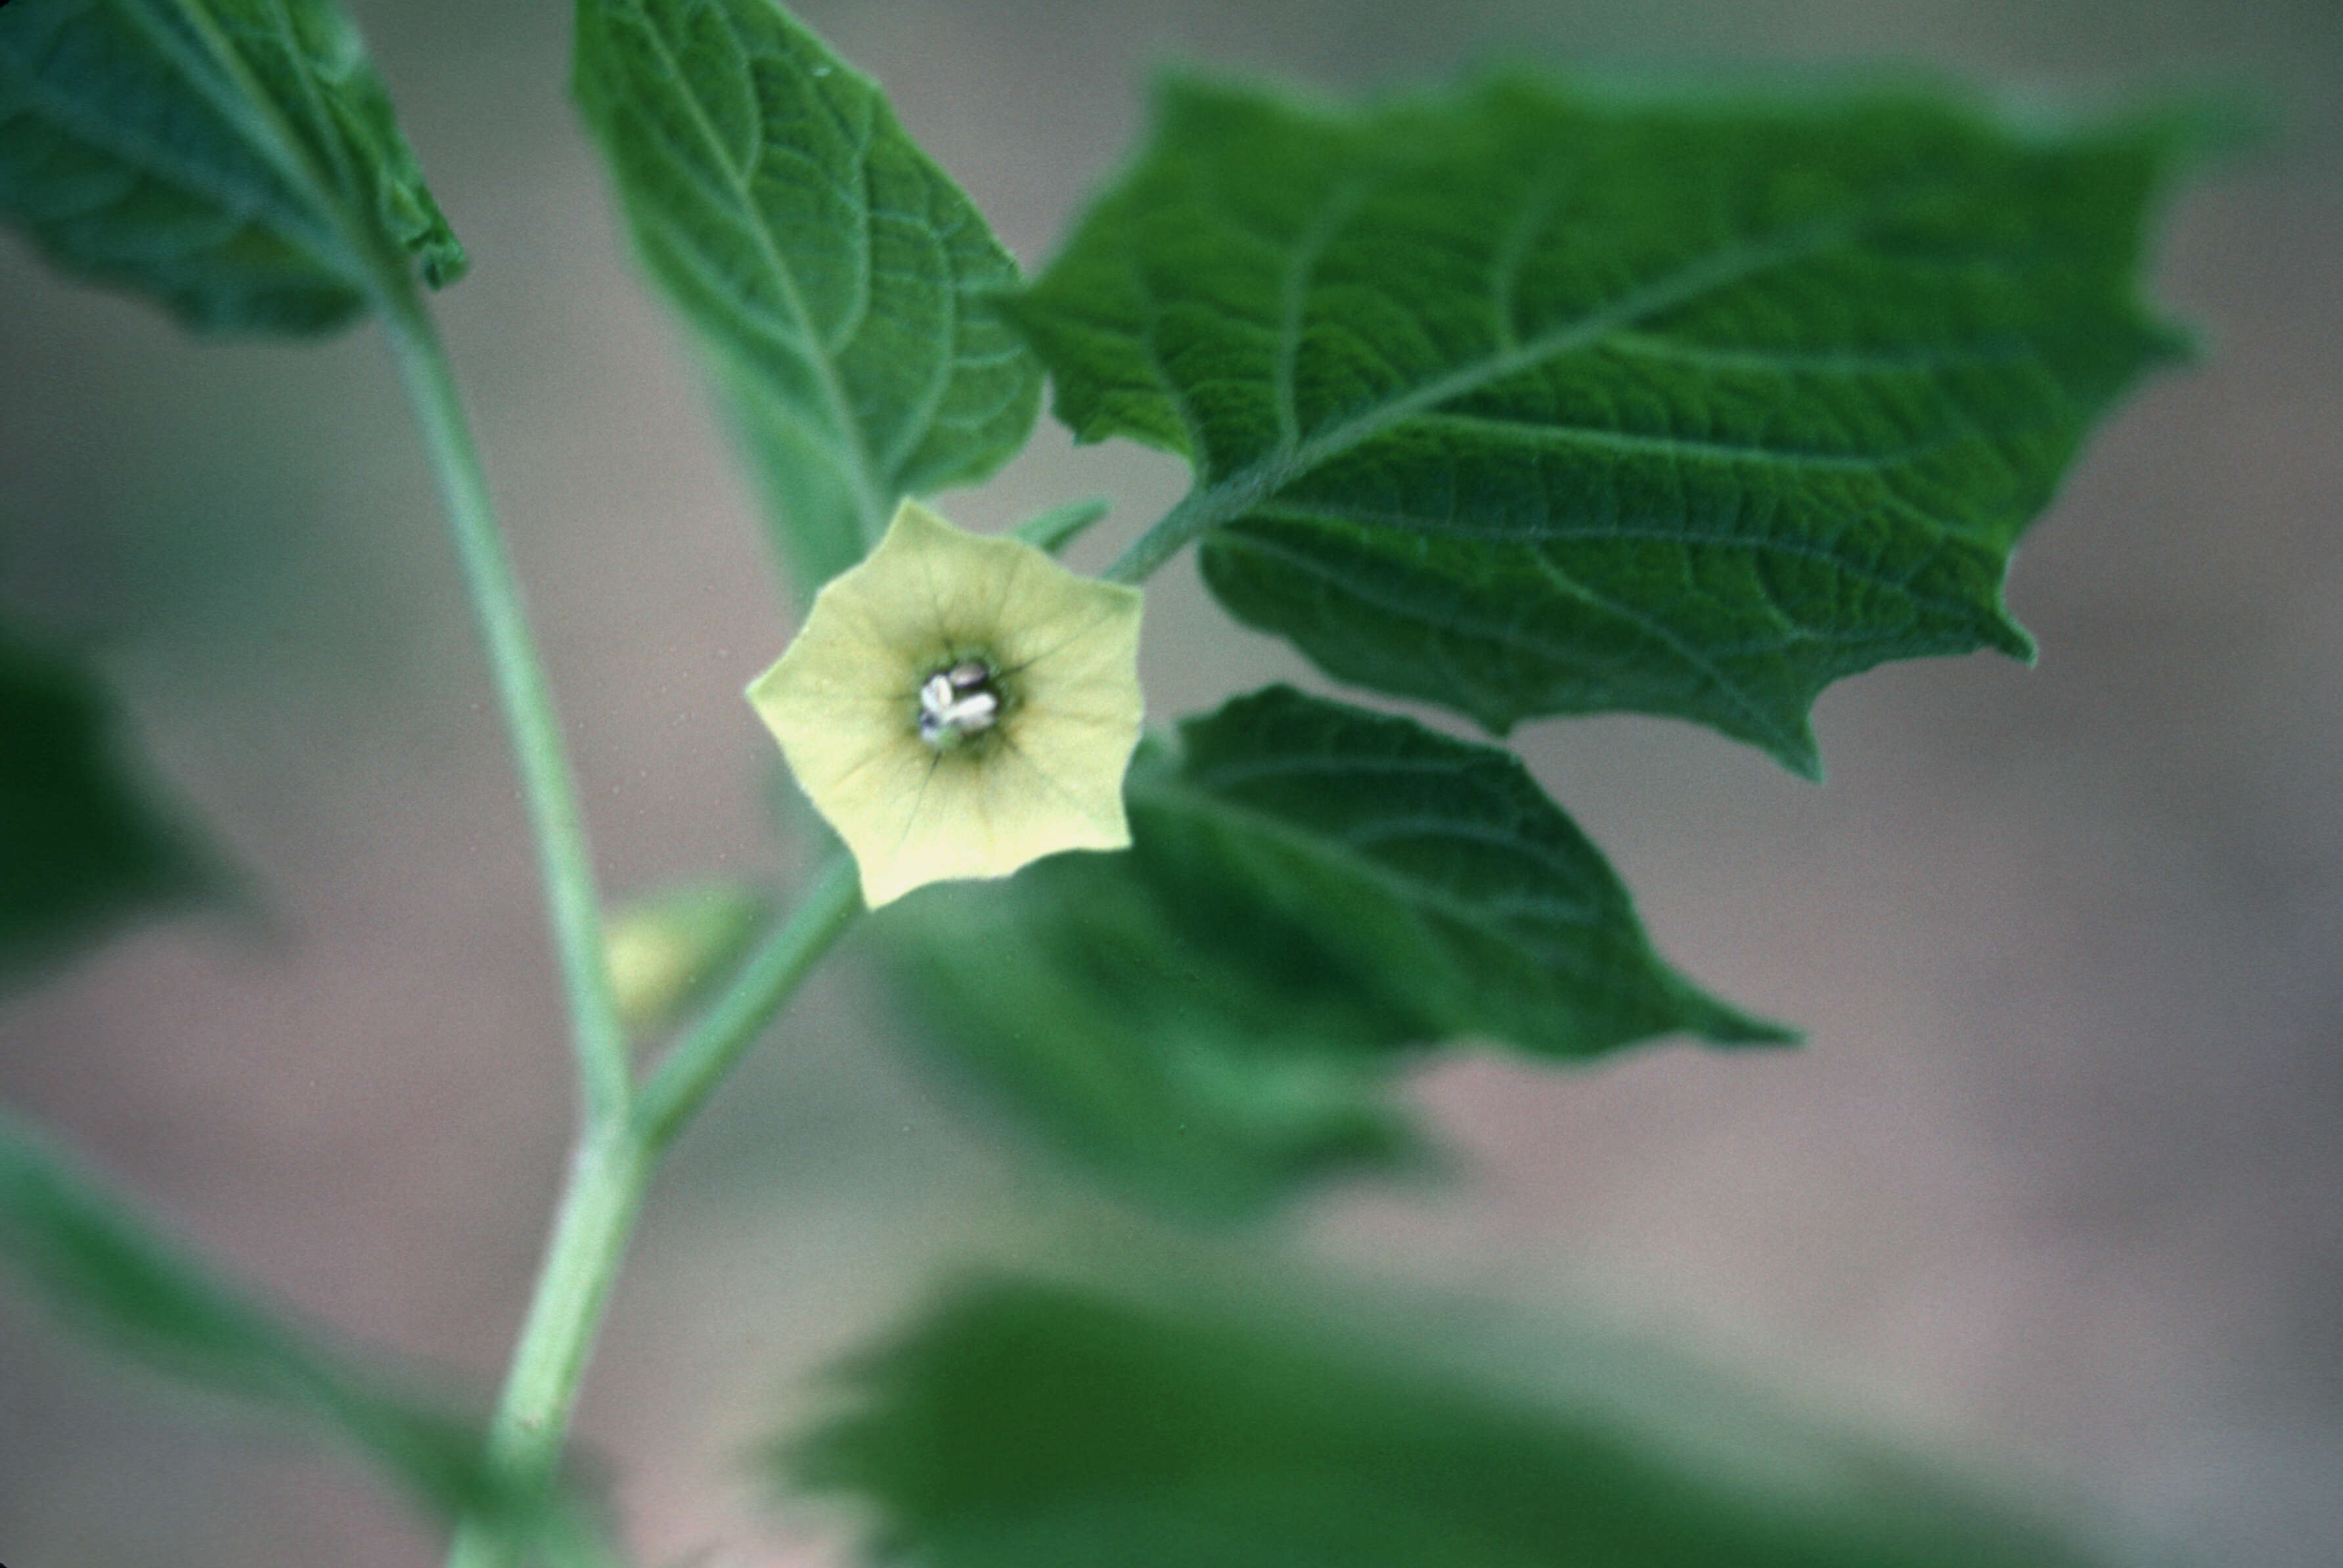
2054,1182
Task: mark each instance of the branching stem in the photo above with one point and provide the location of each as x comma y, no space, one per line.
711,1049
620,1135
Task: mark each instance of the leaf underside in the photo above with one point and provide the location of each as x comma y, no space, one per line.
1032,1425
1312,891
1530,403
840,282
234,160
82,848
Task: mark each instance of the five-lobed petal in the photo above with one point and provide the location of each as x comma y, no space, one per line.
1039,770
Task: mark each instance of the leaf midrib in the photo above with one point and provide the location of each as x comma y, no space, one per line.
1686,283
1226,499
250,113
371,270
857,440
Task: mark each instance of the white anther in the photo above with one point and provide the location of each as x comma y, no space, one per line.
957,703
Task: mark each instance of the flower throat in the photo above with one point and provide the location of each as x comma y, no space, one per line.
957,703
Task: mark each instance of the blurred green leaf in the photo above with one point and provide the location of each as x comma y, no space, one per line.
82,848
1311,888
109,1278
838,280
1527,402
237,160
1024,1425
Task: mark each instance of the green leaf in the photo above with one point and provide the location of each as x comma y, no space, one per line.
1024,1425
237,160
107,1276
82,848
1430,874
1528,402
1310,889
840,282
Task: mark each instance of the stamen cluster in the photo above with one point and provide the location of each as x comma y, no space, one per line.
957,703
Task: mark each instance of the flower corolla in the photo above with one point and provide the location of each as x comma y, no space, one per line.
957,706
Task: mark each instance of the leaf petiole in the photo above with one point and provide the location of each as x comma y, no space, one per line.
1053,530
691,1071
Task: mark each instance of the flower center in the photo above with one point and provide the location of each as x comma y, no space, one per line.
957,703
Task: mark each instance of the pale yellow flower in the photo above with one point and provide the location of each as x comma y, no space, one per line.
958,705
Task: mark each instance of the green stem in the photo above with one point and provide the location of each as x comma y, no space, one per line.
608,1179
724,1033
607,1182
610,1167
621,1136
1196,511
605,1073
